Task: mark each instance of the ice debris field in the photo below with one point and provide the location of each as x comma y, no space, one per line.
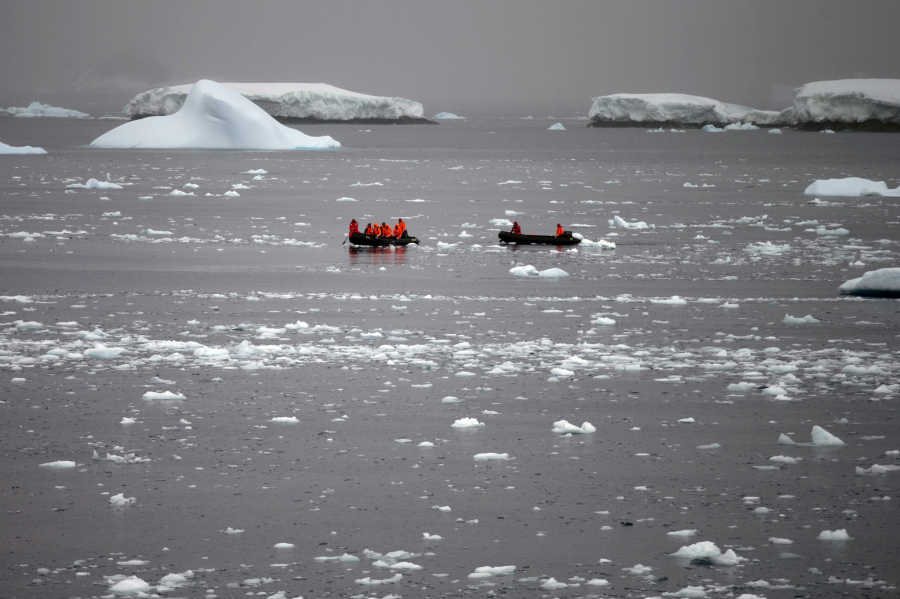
205,394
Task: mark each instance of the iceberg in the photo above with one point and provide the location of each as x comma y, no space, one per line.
862,104
292,102
214,117
674,110
884,282
448,116
36,109
850,187
7,149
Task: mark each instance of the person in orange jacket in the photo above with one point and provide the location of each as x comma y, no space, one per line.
402,226
398,232
369,229
385,230
354,227
559,230
516,228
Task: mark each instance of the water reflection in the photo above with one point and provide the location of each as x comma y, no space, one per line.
382,256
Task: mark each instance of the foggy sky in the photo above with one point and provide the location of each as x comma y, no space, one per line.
458,55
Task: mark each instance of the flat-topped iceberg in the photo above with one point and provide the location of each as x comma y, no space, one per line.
682,110
866,104
7,149
448,116
36,109
850,187
884,282
293,102
214,117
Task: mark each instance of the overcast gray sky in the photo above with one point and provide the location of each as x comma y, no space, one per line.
521,55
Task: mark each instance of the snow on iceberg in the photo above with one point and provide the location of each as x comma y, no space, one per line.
36,109
297,102
7,149
448,116
674,109
213,117
884,282
850,187
871,104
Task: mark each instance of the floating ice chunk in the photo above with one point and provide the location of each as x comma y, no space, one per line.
881,282
165,395
855,370
556,127
213,117
774,390
130,587
712,129
850,187
597,582
7,149
501,222
430,537
562,372
482,457
876,469
820,438
448,116
426,444
682,533
467,423
780,541
710,446
94,184
767,248
603,321
741,127
101,352
564,427
127,420
121,501
551,584
672,301
775,131
783,459
701,549
808,319
59,464
553,273
618,221
451,399
176,580
283,545
286,419
531,271
834,535
373,582
232,531
638,569
742,386
689,420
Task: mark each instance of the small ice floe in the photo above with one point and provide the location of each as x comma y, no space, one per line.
712,129
501,222
556,127
683,533
884,282
232,531
430,537
823,232
345,558
618,221
710,446
228,194
8,149
707,552
600,243
775,131
780,541
638,569
671,301
531,271
127,420
257,171
741,127
767,248
783,459
820,438
175,580
466,423
94,184
551,584
451,399
368,581
564,427
876,469
834,535
603,321
130,587
101,352
483,457
283,545
449,116
286,419
808,319
59,464
689,420
426,444
165,395
121,501
128,458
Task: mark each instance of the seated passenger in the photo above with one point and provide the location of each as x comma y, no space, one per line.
516,229
385,230
559,230
369,229
398,232
402,226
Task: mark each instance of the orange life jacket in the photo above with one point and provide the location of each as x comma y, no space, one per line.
559,231
385,230
402,226
397,231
